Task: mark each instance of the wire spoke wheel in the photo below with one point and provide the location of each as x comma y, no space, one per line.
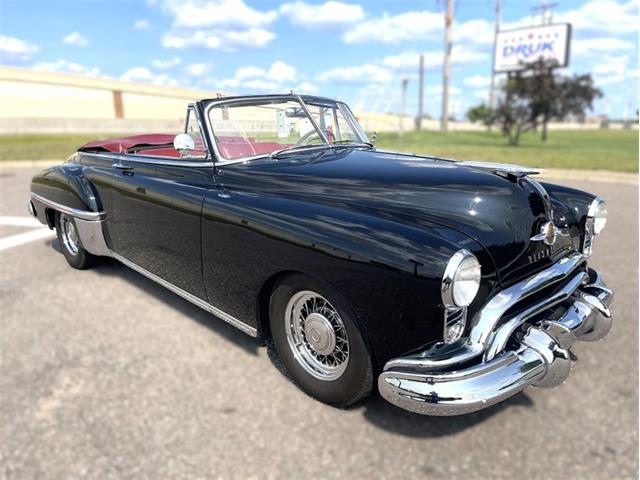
69,234
316,335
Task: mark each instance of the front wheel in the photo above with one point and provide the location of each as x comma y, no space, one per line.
318,341
69,240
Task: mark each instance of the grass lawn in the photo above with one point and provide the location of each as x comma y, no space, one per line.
595,149
44,146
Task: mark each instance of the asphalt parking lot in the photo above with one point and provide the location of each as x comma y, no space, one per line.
104,374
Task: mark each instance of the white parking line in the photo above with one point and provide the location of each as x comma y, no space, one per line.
20,221
37,233
22,238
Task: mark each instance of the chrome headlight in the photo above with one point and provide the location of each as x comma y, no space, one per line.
594,224
599,215
461,279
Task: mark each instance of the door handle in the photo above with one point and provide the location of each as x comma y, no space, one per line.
121,166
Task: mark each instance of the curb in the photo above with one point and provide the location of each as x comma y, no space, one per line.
598,176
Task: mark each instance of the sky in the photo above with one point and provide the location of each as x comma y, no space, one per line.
354,51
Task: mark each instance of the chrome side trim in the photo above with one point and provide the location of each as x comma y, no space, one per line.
92,237
248,329
82,214
152,161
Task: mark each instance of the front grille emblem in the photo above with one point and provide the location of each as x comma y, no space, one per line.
548,234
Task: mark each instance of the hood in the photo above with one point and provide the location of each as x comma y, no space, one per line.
500,212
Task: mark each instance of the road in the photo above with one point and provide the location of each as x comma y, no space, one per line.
104,374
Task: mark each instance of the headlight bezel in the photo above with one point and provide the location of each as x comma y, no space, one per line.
598,212
463,258
595,222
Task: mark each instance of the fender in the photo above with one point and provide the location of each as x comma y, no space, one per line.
383,268
66,188
572,202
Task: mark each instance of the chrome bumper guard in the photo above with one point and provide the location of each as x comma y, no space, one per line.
505,353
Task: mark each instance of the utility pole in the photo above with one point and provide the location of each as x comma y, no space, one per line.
420,93
496,30
545,9
405,82
446,69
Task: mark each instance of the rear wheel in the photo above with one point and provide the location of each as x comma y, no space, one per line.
318,341
69,241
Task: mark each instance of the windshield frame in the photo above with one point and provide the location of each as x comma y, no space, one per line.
249,100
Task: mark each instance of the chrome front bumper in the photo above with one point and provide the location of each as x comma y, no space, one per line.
514,343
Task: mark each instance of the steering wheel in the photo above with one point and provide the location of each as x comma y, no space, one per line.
303,140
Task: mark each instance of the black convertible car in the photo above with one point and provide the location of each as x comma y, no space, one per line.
450,285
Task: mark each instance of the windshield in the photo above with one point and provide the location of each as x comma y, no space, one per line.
259,127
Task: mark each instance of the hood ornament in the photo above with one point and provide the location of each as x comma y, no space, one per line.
548,234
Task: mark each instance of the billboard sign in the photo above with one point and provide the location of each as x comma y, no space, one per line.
515,49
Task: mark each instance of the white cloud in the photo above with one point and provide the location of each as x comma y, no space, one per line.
66,66
15,49
278,76
218,13
228,83
281,72
404,27
198,69
166,64
599,45
612,70
249,71
411,26
306,87
368,73
220,24
261,84
409,60
474,31
330,14
76,39
218,40
144,75
477,81
142,25
603,16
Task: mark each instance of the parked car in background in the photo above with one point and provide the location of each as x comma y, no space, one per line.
449,285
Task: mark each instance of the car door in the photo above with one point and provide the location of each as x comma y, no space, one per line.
155,221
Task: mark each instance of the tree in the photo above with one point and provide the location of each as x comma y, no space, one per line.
534,97
479,114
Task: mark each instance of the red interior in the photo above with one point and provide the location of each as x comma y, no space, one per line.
230,147
237,147
122,145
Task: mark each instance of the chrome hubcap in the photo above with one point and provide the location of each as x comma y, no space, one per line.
316,335
69,235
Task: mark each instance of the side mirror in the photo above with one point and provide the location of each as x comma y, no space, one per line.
373,137
184,144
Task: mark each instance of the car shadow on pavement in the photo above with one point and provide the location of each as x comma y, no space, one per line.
401,422
107,266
